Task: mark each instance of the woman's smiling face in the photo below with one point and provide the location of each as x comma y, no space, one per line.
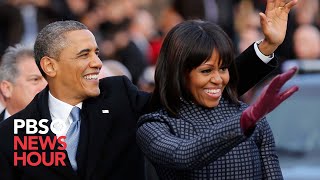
207,82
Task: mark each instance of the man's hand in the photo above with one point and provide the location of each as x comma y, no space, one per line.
269,99
274,24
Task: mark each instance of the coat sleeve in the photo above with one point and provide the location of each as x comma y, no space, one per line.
252,69
156,138
270,163
139,100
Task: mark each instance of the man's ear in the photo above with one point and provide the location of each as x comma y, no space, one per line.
49,66
6,88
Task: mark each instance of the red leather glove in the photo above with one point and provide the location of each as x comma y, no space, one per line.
269,99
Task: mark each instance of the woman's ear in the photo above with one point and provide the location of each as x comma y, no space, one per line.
6,88
49,66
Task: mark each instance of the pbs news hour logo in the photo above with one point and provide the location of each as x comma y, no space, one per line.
32,148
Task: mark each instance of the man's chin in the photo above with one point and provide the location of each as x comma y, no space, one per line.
94,93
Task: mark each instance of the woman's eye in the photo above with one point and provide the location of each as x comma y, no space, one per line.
206,71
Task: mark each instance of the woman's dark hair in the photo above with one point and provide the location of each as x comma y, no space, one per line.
186,47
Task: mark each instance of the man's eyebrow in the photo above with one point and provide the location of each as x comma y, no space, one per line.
83,51
86,51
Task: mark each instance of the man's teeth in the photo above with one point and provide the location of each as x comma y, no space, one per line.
91,76
213,91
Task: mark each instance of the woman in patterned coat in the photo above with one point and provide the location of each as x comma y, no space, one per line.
202,130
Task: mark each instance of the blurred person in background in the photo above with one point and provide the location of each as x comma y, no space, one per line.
73,10
220,12
20,20
247,37
119,34
247,25
146,80
306,42
305,13
142,30
20,79
113,68
168,19
119,46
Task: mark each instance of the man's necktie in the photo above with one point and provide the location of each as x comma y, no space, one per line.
72,138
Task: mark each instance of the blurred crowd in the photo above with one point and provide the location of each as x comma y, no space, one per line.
130,32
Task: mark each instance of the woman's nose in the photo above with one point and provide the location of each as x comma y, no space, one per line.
216,79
